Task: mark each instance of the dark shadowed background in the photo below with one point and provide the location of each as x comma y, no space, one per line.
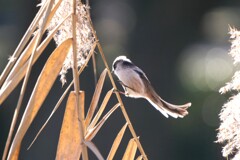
181,45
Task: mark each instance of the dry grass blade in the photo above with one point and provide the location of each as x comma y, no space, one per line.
82,106
18,72
130,150
94,68
92,132
22,60
82,99
101,109
116,142
28,50
69,144
13,153
82,95
95,98
94,149
22,43
19,69
41,89
139,157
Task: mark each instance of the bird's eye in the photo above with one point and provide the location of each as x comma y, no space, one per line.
115,64
126,63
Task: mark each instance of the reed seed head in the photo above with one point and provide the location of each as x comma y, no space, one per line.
229,130
84,36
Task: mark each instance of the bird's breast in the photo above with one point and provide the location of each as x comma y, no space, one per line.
134,84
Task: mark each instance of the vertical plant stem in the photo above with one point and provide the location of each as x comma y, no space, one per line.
76,83
117,94
23,89
9,138
94,68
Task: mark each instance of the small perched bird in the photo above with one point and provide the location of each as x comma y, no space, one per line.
136,85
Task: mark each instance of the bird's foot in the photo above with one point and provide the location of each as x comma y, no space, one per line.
123,93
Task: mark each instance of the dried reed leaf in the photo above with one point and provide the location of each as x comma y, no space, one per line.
100,111
22,43
96,96
139,157
82,96
91,133
28,50
94,149
82,106
22,59
41,89
94,68
130,150
69,143
116,143
18,72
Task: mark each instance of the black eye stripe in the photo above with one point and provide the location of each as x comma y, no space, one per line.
115,64
126,63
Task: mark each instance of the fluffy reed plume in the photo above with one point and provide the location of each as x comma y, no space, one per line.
84,36
229,130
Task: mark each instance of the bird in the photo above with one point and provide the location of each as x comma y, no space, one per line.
136,85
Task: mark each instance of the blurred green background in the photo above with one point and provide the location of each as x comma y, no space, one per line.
181,45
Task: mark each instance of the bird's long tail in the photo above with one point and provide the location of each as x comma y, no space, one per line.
167,108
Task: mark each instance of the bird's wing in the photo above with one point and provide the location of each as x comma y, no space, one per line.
141,73
124,85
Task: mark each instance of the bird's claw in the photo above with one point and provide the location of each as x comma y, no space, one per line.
116,90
